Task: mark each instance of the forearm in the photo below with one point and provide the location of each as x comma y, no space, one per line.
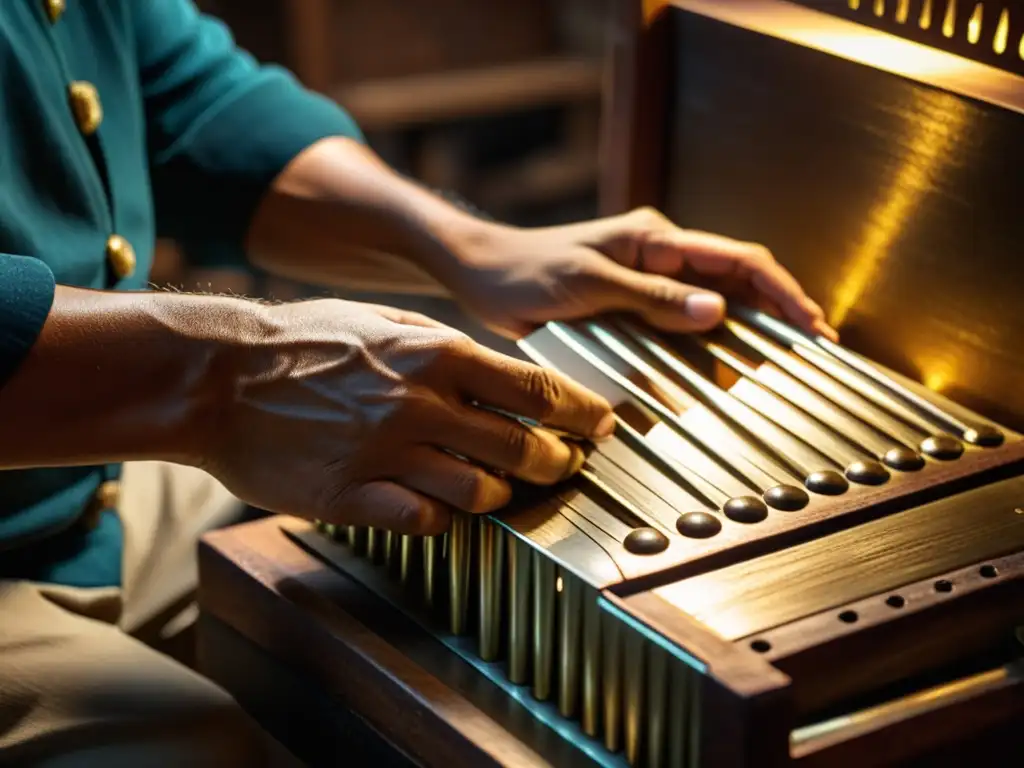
340,215
118,376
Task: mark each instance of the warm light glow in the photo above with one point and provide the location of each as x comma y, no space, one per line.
855,4
1002,32
949,23
558,584
928,150
926,14
879,8
974,25
1020,48
902,11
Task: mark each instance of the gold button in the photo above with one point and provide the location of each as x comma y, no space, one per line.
85,104
121,256
55,9
108,495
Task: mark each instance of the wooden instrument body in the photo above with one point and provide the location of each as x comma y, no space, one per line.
856,631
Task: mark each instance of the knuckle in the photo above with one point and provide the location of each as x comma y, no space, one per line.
544,392
761,254
648,217
411,516
524,449
472,490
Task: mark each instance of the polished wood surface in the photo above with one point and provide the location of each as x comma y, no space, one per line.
768,591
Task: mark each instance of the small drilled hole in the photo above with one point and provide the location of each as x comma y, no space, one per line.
761,646
848,617
895,601
988,571
942,585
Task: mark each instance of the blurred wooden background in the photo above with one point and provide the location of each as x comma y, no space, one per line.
497,101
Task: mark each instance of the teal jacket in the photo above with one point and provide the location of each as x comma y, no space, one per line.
120,121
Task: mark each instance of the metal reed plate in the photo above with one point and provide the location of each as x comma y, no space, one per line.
375,578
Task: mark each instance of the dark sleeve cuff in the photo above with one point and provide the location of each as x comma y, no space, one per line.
26,295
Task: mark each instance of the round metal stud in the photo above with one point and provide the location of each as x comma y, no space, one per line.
904,459
942,447
646,541
698,525
867,473
827,483
788,498
985,436
745,509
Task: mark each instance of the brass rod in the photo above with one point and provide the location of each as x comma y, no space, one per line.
406,558
375,545
657,703
390,542
835,393
432,564
570,619
752,474
543,624
611,681
518,610
460,546
785,447
591,673
491,574
634,679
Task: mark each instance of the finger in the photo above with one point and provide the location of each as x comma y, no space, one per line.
525,389
393,507
715,256
458,483
531,454
663,302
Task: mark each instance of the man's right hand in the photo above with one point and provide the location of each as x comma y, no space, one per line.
357,414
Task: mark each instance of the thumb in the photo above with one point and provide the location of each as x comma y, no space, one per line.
665,303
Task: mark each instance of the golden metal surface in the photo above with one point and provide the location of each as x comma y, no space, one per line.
519,639
54,9
611,681
432,565
590,719
121,256
85,106
491,575
941,536
634,677
657,703
544,597
570,620
460,549
389,547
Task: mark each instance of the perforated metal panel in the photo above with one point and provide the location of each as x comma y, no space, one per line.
987,31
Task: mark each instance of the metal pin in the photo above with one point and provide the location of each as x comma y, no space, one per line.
460,546
491,564
518,610
785,447
357,539
390,547
432,564
407,550
657,700
591,688
375,545
570,609
634,653
752,474
611,681
544,594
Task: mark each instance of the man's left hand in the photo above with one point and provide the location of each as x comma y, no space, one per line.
515,280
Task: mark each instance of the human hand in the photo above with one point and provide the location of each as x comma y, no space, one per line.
517,279
350,413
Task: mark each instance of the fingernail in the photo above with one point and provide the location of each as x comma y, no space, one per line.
705,307
605,427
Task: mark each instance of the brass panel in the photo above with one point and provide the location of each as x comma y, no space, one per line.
750,597
895,203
